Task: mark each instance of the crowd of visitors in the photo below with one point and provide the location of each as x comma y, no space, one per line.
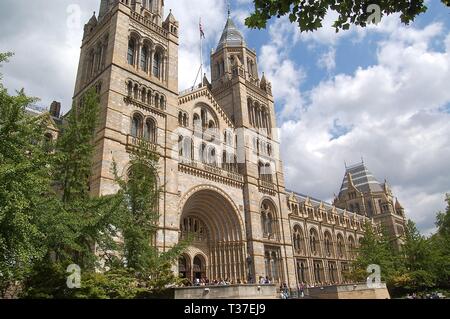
433,295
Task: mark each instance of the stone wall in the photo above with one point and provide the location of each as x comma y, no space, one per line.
227,292
360,291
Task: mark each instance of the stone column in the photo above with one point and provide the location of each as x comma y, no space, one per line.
138,53
152,57
166,69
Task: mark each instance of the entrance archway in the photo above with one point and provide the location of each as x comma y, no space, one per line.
183,266
217,248
199,269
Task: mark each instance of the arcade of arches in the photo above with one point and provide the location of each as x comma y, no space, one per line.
217,248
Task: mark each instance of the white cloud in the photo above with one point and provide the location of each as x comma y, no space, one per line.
188,13
327,60
286,75
392,110
46,49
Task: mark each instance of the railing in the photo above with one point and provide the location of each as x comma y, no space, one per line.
266,187
215,170
136,16
266,184
136,142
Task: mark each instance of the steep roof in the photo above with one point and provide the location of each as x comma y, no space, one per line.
362,179
231,36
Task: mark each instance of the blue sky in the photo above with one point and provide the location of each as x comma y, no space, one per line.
381,93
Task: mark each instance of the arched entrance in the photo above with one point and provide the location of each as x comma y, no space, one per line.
183,266
199,267
217,248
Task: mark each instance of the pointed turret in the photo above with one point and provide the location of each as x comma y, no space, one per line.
361,178
171,24
231,36
90,26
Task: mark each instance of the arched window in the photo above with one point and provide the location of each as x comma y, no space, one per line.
136,92
90,68
328,244
225,160
131,51
183,267
150,131
196,121
269,220
149,97
314,241
143,95
218,70
298,239
212,156
186,146
202,153
156,101
144,58
180,118
351,246
340,246
162,103
301,268
204,118
136,126
265,172
157,65
193,227
130,89
180,146
317,271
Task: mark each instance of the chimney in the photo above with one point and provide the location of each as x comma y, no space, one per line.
55,109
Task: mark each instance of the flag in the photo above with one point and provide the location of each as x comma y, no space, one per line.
202,34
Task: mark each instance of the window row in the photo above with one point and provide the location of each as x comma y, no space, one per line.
328,244
95,59
194,229
261,147
259,116
206,120
206,154
318,272
183,119
265,172
143,56
146,95
144,128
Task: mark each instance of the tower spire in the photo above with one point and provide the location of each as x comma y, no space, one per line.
229,9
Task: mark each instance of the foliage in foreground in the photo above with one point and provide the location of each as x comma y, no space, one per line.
49,218
309,15
422,264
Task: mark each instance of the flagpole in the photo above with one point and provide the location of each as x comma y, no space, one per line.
201,55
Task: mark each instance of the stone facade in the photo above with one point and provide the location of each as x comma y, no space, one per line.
220,168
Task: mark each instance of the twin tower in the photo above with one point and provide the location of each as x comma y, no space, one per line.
219,165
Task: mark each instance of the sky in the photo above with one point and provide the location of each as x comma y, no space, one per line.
380,93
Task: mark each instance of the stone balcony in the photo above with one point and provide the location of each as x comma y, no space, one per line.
210,172
266,187
149,24
136,142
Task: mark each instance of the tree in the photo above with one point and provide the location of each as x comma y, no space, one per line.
77,224
416,258
441,246
375,249
309,15
140,219
24,188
